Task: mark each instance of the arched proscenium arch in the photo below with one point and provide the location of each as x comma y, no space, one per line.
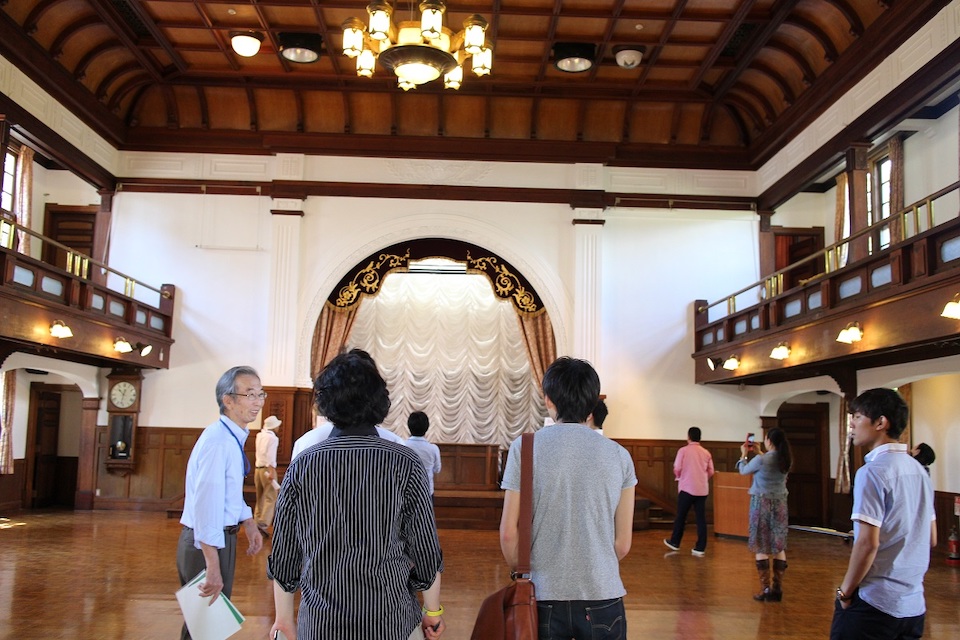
367,277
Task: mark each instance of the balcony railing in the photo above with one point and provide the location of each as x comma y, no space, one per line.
98,302
919,270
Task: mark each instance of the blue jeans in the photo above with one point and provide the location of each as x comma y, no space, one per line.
684,502
860,621
582,619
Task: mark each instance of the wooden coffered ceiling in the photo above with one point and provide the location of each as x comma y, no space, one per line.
722,84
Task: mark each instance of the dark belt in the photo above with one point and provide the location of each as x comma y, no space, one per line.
230,531
263,467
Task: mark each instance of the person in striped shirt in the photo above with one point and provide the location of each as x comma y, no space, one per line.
354,526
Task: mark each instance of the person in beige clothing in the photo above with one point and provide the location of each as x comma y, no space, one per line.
265,476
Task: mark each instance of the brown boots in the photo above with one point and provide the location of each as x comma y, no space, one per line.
776,591
763,568
770,592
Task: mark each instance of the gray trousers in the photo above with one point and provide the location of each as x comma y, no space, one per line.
190,562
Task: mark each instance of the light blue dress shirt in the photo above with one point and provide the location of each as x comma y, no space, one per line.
214,484
893,492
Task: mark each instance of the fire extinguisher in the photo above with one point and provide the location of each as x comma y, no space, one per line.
953,548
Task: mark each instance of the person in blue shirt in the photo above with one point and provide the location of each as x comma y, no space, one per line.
213,505
894,528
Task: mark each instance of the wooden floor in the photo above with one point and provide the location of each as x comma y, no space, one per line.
112,575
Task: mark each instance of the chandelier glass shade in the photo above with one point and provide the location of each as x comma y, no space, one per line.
417,52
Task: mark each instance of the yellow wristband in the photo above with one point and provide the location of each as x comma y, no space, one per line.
432,614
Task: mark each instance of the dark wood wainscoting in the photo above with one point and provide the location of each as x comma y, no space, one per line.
653,460
943,503
11,487
156,483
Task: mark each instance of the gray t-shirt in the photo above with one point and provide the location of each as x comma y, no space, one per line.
578,476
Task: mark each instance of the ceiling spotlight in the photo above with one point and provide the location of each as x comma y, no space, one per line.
143,349
300,47
246,43
731,363
850,334
59,330
574,57
120,345
952,308
781,351
713,363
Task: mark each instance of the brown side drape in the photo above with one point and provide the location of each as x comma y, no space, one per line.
541,345
843,464
840,221
331,334
895,154
23,197
6,422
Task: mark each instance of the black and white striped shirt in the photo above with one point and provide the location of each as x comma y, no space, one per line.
355,531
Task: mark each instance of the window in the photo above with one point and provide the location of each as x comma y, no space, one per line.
878,200
9,180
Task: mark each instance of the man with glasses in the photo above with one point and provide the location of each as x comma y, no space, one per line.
213,506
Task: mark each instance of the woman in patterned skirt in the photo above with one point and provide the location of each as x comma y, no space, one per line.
768,510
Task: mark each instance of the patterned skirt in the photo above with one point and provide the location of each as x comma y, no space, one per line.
768,524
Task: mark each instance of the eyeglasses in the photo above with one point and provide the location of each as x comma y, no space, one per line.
252,397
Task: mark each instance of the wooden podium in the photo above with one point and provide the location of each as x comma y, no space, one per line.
731,503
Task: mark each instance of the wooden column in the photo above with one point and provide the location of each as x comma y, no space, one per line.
857,197
87,458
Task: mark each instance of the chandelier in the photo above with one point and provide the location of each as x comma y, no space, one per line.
417,51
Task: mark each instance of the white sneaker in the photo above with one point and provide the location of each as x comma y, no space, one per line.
698,553
667,542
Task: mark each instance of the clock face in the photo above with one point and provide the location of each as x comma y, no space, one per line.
123,395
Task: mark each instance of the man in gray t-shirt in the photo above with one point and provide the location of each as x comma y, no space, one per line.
583,496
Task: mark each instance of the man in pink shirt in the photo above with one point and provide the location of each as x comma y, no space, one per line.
693,469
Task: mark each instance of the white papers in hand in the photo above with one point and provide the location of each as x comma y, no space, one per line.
276,485
205,621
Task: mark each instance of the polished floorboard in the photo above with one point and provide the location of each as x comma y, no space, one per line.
112,575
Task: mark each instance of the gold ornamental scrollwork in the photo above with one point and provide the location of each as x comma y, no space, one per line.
505,283
369,279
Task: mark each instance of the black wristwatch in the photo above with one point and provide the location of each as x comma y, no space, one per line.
842,597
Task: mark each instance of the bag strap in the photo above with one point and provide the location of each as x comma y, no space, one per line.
526,506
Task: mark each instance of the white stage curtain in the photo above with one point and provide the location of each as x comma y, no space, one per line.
448,347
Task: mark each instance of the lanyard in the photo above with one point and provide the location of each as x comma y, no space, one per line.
246,463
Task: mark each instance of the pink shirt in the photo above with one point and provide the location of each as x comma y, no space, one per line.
693,469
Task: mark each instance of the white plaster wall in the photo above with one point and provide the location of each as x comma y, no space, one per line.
936,421
931,163
59,372
655,264
220,315
806,210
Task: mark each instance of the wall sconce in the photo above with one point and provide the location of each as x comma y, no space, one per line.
850,334
952,308
143,349
120,345
60,330
731,363
246,43
713,363
781,351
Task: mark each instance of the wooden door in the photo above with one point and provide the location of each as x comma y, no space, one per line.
806,427
47,408
70,226
793,245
